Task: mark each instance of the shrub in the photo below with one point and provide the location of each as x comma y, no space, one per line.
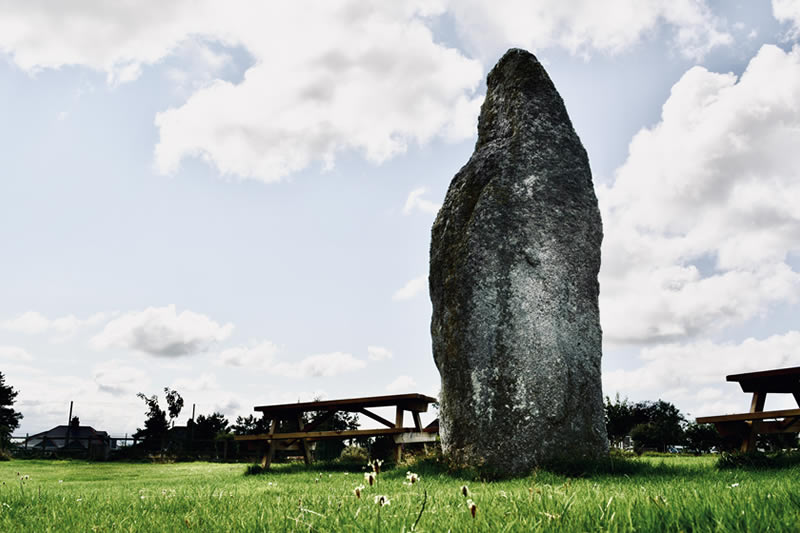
354,454
383,449
757,460
254,470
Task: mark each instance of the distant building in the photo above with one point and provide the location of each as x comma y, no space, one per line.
96,444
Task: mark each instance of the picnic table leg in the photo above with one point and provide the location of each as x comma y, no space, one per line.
756,405
417,421
269,452
303,442
398,423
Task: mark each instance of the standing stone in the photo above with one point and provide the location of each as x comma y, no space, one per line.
515,254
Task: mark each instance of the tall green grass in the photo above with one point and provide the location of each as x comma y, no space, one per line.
648,494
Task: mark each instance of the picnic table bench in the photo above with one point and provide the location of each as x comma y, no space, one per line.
306,434
748,425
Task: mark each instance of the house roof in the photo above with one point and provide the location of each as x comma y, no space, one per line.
60,432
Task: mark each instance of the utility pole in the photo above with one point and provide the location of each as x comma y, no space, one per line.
69,425
191,431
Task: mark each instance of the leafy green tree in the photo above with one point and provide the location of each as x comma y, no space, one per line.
250,425
340,421
700,438
650,424
208,427
662,424
9,419
620,419
174,404
777,441
155,425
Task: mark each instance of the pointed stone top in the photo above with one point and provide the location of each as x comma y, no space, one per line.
518,90
517,68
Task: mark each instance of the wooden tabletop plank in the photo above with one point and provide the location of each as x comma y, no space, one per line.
411,402
317,435
785,380
762,415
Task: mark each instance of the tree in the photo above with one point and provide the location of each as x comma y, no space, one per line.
174,404
208,427
9,419
650,424
700,438
340,421
620,419
75,423
250,425
155,425
777,441
662,425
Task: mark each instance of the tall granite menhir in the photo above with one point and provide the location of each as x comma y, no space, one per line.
515,254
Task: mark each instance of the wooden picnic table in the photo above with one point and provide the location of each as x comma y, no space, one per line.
306,434
749,425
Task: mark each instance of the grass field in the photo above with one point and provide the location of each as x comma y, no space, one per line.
649,494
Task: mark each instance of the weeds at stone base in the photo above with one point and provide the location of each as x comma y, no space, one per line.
758,460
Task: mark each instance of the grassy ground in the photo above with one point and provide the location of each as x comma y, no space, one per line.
650,494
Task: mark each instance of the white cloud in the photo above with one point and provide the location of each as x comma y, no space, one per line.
415,202
703,214
117,39
582,26
378,353
264,356
693,374
204,382
327,77
33,322
14,354
45,402
29,322
411,288
320,365
161,331
788,11
118,378
401,384
259,355
342,84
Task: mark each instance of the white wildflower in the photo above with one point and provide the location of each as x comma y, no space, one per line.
382,500
472,507
412,478
376,465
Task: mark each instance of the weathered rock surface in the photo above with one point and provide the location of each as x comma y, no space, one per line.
515,254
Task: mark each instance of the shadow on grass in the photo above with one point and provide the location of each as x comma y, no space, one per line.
318,466
436,466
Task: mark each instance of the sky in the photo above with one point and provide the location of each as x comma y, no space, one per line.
234,199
